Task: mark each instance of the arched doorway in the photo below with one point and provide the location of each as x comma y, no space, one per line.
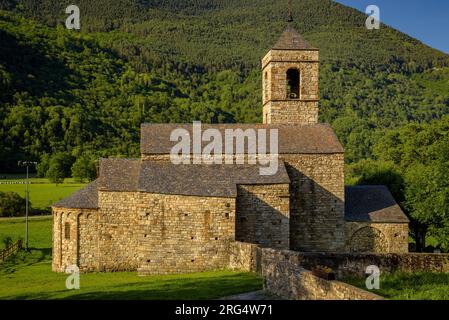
368,239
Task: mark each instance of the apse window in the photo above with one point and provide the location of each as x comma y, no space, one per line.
293,84
67,231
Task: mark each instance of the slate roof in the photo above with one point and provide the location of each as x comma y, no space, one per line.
167,178
86,198
293,139
372,204
291,40
119,174
203,180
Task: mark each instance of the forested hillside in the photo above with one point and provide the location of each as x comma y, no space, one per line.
84,94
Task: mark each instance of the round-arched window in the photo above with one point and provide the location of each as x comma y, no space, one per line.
293,81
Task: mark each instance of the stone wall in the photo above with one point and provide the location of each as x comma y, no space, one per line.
275,65
376,237
316,202
355,264
74,239
290,111
182,234
151,233
278,108
155,157
284,277
245,257
263,215
118,230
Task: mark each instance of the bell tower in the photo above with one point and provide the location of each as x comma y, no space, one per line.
290,72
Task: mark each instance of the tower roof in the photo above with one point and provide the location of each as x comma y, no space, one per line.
292,40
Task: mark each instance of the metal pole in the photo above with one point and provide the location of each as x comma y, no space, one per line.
26,212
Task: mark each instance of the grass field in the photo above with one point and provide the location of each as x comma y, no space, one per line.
43,195
29,275
417,286
39,229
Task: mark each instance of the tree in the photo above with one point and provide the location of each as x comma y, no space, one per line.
11,204
371,172
427,200
59,167
42,166
55,173
84,168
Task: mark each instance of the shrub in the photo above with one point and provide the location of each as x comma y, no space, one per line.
12,204
7,241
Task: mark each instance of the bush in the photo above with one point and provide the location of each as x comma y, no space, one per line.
12,204
7,241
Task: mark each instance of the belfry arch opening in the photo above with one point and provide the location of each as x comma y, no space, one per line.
293,82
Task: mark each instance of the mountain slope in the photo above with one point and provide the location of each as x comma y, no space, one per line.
178,61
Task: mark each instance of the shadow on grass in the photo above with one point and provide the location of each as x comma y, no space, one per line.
160,289
25,259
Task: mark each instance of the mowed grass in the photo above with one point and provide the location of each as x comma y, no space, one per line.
43,195
40,230
29,275
405,286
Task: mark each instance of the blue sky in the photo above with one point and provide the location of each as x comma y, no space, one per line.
426,20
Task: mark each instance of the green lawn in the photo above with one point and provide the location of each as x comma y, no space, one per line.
43,195
40,229
29,275
417,286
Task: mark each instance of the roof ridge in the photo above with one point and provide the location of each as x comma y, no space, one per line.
290,39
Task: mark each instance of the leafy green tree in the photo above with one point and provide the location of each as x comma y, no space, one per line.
84,168
11,204
42,166
55,172
371,172
427,200
420,153
59,167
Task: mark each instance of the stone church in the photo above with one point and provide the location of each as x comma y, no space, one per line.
156,217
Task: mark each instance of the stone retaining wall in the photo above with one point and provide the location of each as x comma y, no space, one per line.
285,272
354,264
245,257
284,277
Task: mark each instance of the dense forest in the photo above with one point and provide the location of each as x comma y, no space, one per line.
69,97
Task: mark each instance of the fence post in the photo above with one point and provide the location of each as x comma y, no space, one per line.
19,244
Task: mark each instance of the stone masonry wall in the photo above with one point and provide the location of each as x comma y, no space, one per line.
74,239
277,77
316,202
290,111
285,272
376,237
263,215
118,230
245,257
284,277
182,234
278,108
355,264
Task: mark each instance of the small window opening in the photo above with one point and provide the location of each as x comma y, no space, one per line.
292,84
67,231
